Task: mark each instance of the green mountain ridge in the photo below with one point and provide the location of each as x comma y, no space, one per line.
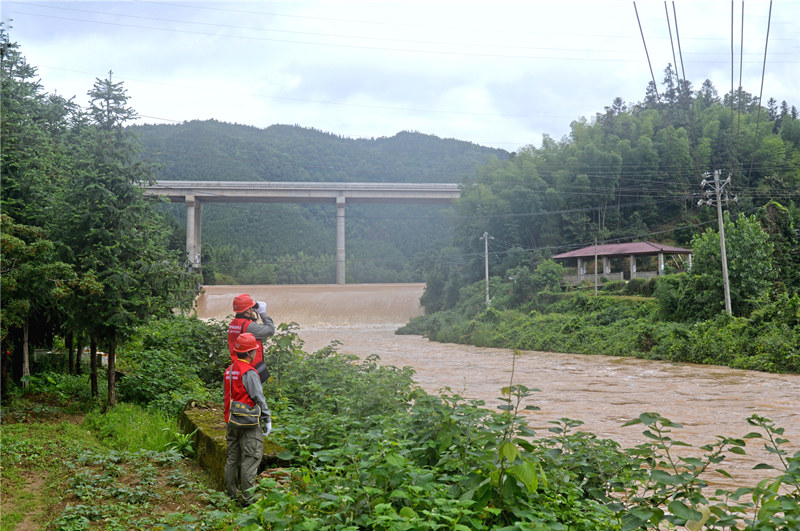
213,150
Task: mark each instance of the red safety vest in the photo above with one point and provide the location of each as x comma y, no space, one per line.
237,327
234,387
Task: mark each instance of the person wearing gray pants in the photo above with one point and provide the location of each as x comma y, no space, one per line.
244,435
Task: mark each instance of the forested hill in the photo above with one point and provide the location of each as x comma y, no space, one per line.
212,150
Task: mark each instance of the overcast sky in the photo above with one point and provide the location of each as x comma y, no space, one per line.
497,73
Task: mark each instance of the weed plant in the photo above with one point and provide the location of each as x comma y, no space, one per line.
129,427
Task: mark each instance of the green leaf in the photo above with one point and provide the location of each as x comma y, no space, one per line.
664,477
681,510
509,451
408,513
526,473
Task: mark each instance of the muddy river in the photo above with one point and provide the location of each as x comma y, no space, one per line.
603,392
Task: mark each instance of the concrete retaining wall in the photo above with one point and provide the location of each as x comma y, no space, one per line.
209,440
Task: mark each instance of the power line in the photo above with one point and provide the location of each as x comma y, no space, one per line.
655,85
761,92
678,38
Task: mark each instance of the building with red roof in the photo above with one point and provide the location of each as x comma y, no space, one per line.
629,252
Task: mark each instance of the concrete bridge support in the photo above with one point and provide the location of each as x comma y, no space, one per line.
194,218
340,255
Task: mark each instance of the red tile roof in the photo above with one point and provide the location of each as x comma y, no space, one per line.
624,249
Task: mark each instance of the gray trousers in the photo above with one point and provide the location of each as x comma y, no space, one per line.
245,448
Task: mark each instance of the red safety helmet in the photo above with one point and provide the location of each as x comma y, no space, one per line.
243,302
245,343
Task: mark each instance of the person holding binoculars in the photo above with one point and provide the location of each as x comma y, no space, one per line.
248,312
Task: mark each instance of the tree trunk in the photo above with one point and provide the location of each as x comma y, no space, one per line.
5,360
78,352
26,361
112,364
68,340
93,364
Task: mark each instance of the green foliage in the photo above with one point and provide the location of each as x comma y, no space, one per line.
624,176
445,462
120,482
332,392
111,232
698,294
769,340
526,285
34,282
777,222
202,345
84,251
370,450
750,270
173,360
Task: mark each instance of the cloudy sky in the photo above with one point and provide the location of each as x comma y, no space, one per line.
497,73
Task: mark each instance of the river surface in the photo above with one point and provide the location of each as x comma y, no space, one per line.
604,392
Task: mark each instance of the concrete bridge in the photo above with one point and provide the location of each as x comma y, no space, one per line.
195,193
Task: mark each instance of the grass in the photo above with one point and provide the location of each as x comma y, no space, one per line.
60,471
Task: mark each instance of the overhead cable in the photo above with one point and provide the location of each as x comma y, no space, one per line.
655,85
761,92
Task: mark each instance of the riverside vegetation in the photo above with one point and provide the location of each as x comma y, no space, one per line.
369,450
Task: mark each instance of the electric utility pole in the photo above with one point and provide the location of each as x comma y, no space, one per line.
715,193
486,239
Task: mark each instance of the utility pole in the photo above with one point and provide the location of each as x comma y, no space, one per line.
485,239
595,267
719,195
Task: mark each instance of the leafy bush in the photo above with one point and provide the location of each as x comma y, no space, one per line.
329,393
174,360
767,341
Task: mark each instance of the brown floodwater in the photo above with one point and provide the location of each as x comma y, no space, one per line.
604,392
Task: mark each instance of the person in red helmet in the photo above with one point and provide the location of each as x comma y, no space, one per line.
245,440
246,320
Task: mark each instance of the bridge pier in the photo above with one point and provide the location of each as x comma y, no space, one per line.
194,214
340,254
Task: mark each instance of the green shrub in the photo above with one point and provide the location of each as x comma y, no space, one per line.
174,360
202,345
615,286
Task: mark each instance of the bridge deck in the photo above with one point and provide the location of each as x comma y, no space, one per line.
304,192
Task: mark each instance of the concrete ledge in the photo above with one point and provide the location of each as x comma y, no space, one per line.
209,441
